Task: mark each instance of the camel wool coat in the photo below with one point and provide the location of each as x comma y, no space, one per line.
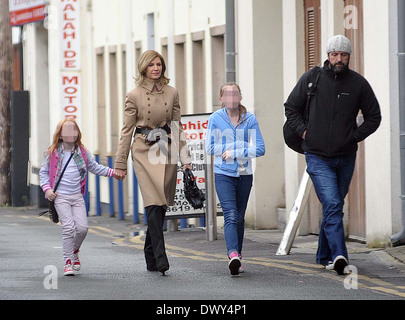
155,169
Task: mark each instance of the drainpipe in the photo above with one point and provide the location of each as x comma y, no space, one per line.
230,41
170,43
399,238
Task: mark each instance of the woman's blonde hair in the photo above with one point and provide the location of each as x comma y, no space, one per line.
242,108
146,58
57,136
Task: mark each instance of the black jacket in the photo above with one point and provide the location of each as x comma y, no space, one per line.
331,126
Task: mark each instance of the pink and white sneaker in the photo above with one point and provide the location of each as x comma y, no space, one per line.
234,263
241,268
76,261
68,271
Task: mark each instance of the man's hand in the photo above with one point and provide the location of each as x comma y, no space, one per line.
304,134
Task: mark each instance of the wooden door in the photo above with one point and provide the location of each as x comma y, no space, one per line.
312,11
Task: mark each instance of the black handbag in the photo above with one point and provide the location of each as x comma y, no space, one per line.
53,214
291,138
193,194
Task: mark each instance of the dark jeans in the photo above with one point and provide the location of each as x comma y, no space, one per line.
331,178
233,193
155,253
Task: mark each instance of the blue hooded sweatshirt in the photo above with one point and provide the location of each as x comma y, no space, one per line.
245,142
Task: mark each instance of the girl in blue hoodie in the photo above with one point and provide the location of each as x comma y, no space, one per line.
233,138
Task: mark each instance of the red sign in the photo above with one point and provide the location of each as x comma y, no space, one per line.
27,15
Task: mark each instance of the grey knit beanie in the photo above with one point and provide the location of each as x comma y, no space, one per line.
339,43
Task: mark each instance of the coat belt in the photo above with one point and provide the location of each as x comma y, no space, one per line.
147,130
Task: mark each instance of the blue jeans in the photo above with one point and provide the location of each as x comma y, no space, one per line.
331,178
233,193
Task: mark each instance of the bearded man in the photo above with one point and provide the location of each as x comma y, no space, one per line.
330,134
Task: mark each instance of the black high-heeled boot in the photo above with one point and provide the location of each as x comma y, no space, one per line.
154,242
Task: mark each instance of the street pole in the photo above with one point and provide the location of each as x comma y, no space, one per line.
210,202
399,238
6,62
230,41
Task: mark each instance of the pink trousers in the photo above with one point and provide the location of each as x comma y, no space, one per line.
73,218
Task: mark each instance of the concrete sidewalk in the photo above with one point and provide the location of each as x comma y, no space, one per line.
394,257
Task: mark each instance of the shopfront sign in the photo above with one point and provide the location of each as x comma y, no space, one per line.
70,58
26,11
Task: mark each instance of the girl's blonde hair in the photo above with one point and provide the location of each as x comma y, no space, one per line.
146,58
242,108
57,136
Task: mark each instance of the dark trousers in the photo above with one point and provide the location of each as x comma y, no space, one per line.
155,253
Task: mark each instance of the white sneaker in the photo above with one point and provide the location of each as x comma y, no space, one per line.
339,264
329,265
241,268
68,271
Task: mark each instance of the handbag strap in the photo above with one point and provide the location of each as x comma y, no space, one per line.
311,90
57,183
63,171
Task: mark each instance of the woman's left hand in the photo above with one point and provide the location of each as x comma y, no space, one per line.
226,155
187,166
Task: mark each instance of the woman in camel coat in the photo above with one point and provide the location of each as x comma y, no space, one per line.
153,104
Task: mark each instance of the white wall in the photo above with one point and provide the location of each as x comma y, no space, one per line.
395,119
36,82
293,68
378,146
269,109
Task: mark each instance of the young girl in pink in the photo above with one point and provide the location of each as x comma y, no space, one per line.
68,199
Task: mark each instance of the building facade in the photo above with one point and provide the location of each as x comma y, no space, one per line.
83,60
